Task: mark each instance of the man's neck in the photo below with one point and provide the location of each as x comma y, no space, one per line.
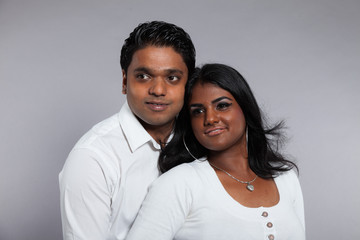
159,133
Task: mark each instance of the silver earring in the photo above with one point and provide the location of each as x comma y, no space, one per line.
187,149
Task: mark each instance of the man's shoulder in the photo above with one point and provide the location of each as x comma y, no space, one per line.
106,130
95,150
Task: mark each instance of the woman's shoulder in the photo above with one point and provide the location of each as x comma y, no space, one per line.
187,169
289,175
290,181
184,173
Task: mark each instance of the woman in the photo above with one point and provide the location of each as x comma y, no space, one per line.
234,184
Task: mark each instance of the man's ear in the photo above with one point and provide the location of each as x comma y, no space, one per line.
124,83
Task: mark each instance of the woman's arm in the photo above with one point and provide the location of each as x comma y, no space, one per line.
297,196
166,206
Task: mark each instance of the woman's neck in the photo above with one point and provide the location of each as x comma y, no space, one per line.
232,160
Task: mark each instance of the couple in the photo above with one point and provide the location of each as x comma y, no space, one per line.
233,183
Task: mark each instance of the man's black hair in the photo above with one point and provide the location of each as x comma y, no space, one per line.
159,34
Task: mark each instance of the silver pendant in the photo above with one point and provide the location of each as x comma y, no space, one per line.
250,187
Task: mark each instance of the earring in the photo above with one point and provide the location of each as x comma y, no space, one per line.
187,149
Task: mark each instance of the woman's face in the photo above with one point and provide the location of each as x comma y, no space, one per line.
216,118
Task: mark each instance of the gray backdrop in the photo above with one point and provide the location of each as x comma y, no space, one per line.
59,75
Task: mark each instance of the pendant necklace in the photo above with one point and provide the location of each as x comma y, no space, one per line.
249,186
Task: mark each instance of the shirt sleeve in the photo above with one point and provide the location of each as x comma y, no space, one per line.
298,199
166,206
84,197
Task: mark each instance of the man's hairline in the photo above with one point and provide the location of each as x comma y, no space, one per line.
153,45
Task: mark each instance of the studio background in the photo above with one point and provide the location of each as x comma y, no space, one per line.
60,75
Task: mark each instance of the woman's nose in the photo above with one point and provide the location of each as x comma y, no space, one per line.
211,117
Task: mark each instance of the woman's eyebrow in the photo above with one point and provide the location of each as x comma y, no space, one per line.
196,105
213,101
220,98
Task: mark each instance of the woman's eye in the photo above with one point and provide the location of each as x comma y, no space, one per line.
196,111
223,106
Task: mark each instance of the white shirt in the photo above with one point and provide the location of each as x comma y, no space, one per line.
106,177
189,202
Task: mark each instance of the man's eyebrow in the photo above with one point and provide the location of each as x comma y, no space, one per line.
149,71
142,69
174,70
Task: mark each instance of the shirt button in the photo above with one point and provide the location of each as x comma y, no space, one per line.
271,237
264,214
269,225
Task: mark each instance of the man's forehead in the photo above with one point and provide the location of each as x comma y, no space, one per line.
157,59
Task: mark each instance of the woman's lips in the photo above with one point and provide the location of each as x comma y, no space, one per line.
214,131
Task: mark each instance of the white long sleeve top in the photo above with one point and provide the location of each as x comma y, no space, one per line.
106,177
189,202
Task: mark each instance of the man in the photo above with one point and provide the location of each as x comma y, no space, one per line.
107,174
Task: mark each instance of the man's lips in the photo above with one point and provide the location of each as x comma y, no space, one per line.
157,106
214,131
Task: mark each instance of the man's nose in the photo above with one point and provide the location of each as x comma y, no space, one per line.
158,87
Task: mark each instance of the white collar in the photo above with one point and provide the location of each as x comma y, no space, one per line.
134,132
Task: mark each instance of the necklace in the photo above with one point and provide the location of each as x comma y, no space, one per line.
249,186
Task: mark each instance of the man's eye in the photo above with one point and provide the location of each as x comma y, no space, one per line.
173,78
223,106
142,76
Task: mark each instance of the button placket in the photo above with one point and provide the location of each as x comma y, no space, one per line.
269,229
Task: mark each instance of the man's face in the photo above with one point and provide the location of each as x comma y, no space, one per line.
155,84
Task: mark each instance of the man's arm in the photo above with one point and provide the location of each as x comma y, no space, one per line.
84,197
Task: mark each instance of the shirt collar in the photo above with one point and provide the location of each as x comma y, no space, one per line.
134,132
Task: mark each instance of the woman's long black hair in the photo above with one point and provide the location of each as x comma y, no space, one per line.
263,155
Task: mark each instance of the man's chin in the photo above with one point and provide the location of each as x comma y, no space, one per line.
157,122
